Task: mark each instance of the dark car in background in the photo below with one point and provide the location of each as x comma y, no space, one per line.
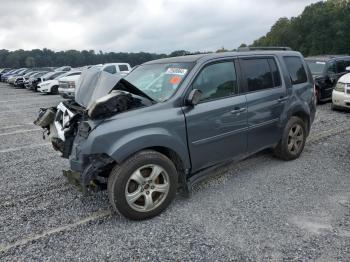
4,71
326,71
33,80
11,73
19,81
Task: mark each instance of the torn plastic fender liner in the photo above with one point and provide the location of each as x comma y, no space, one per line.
98,165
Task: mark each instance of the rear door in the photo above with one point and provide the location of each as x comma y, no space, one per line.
266,99
217,126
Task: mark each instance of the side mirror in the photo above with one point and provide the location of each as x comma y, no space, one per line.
194,97
347,69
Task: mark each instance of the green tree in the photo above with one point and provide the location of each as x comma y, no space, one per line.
322,28
30,61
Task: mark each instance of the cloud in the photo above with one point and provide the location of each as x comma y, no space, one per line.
159,26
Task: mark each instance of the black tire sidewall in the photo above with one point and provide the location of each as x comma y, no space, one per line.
120,175
54,90
282,149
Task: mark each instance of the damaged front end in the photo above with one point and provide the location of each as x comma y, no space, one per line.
69,125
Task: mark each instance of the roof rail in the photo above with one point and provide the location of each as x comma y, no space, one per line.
256,48
338,56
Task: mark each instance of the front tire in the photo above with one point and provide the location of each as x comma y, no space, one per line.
293,140
143,186
54,90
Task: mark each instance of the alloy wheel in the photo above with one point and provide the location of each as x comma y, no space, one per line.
147,188
295,139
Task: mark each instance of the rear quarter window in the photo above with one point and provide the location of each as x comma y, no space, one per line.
123,68
296,69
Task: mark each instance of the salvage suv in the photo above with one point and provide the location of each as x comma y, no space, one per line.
170,122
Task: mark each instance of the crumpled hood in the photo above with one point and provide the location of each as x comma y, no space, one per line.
95,83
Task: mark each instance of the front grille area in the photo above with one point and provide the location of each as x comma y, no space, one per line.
63,84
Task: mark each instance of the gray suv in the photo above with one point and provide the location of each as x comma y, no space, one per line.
169,122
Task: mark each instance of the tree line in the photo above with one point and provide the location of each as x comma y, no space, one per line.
74,58
322,28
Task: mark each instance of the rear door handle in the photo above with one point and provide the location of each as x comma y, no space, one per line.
282,99
238,110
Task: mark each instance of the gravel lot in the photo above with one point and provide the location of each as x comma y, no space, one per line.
258,209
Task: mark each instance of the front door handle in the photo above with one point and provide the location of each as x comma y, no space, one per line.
238,110
282,99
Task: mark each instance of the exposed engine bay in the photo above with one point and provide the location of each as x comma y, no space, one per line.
99,95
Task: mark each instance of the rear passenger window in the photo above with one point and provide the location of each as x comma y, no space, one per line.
75,74
217,81
123,68
110,69
296,69
258,74
275,72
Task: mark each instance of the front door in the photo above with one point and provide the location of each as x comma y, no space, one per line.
217,126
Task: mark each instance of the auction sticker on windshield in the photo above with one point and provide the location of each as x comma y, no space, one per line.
176,71
175,80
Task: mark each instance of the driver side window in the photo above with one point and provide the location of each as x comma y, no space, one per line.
217,81
332,68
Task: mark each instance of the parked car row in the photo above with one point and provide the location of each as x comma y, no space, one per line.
332,79
62,80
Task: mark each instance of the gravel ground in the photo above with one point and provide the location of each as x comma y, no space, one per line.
258,209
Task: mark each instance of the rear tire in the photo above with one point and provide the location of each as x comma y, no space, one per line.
318,97
143,186
334,108
293,140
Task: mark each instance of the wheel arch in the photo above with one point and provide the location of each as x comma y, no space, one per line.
171,146
303,114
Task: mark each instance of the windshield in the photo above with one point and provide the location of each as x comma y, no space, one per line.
47,75
29,74
316,67
159,81
55,75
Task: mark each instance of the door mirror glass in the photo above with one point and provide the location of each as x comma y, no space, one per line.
194,97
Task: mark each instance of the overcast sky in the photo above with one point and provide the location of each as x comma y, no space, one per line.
159,26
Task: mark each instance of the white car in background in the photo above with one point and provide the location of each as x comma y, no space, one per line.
67,84
341,92
116,68
50,82
63,68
